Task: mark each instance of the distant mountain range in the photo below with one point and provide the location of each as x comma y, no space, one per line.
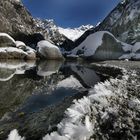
74,33
52,29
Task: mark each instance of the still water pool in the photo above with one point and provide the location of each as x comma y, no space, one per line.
35,95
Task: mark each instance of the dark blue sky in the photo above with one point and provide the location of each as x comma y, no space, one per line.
71,13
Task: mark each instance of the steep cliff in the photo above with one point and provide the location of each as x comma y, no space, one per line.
15,18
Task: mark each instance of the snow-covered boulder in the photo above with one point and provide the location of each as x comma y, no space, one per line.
6,40
101,45
48,50
20,45
12,53
31,53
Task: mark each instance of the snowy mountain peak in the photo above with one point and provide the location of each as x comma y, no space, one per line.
74,34
51,27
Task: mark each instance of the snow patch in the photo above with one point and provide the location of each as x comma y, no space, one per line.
15,136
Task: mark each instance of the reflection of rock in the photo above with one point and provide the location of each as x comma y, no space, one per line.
46,68
87,76
6,74
48,50
70,82
9,68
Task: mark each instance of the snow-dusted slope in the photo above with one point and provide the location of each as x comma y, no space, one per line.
75,33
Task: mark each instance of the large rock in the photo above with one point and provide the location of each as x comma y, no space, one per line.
101,46
12,53
6,40
11,49
48,50
20,45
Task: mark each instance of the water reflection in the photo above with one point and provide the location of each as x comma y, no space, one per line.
46,68
25,83
9,68
38,87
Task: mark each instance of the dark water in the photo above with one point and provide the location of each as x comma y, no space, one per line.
34,95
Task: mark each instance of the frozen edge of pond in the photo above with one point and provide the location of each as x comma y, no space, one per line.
81,119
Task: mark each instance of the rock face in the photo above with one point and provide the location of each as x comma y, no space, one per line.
48,50
100,46
14,18
123,22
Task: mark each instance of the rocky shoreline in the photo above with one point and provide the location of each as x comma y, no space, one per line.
110,111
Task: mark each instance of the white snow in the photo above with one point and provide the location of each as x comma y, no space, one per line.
52,29
75,33
46,43
12,49
15,136
90,44
20,43
7,36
